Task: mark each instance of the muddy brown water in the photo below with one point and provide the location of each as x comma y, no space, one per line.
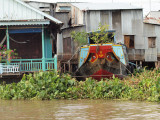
78,110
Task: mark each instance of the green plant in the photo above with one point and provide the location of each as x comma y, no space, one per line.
80,37
102,35
52,85
7,54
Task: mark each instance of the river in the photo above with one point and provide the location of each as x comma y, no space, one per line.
78,110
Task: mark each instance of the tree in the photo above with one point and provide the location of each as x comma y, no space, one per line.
102,35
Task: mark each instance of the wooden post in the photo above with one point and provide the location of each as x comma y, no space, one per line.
64,67
55,62
136,64
120,68
59,68
31,64
7,34
69,63
8,46
141,64
43,50
71,67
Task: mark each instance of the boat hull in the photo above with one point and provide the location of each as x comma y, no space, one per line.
101,68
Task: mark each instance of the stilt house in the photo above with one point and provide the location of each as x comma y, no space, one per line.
141,38
32,33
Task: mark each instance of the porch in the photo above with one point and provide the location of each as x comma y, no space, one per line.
19,66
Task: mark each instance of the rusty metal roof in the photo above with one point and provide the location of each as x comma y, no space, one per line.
152,18
104,6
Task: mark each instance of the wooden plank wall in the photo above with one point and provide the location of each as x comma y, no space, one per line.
32,49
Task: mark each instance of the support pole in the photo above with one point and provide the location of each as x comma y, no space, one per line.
64,67
120,68
136,64
69,64
55,62
8,46
7,34
141,64
43,50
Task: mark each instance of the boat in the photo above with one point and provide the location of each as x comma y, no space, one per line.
102,61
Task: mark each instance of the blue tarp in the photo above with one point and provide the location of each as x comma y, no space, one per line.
30,30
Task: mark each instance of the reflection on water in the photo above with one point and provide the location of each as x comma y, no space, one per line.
78,110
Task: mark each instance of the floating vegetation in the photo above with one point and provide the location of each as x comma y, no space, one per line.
51,85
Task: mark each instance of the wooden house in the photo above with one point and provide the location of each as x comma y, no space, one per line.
141,38
126,20
152,38
32,33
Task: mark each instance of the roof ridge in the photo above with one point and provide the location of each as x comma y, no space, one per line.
104,6
38,11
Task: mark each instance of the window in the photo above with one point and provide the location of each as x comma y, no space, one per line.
67,45
129,41
65,8
151,42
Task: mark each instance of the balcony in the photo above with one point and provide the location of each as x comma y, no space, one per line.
28,65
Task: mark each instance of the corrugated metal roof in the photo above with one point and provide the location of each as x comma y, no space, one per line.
104,6
45,1
16,10
41,13
48,1
12,23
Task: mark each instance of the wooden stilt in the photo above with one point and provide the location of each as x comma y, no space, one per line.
136,64
141,64
64,67
120,69
69,66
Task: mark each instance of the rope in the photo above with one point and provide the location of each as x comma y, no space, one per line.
98,75
4,39
125,67
73,55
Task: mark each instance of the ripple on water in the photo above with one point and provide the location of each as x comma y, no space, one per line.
79,110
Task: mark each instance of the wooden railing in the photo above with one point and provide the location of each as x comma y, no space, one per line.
29,65
9,69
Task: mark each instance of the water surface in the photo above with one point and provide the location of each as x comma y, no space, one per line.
78,110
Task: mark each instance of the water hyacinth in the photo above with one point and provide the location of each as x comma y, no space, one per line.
52,85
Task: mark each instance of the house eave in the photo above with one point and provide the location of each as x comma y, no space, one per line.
16,23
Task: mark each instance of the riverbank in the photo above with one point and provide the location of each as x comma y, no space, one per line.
144,86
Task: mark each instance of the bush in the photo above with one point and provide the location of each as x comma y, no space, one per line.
51,85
